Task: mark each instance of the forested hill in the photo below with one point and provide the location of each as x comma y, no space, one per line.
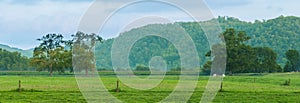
281,34
27,53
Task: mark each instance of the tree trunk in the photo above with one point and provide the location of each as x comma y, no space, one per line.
86,72
117,89
51,70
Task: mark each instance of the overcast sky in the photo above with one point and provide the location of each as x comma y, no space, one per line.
23,21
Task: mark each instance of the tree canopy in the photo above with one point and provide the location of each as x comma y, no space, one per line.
83,51
51,55
242,58
12,61
293,63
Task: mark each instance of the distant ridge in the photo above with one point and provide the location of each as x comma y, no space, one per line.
281,34
27,53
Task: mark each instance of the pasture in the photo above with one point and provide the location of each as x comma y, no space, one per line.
240,88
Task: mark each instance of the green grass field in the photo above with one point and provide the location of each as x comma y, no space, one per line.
243,88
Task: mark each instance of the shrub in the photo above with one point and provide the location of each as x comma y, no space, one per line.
287,83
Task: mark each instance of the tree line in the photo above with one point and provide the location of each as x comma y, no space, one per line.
13,61
55,55
242,58
261,46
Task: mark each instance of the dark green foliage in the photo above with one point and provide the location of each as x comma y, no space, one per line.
146,48
50,54
103,55
206,69
287,82
151,46
279,34
242,58
25,90
293,63
142,68
177,69
28,53
33,73
238,54
13,61
83,51
265,60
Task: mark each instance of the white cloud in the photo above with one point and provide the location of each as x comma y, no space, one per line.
260,9
139,10
21,22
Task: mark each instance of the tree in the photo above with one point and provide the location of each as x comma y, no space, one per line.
206,69
218,63
48,55
83,51
12,61
142,68
266,60
63,60
242,58
293,63
237,51
67,60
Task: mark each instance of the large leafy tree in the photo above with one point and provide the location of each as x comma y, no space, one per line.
242,58
237,51
265,60
50,54
293,63
83,51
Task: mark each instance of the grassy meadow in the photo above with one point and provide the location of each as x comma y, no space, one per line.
248,88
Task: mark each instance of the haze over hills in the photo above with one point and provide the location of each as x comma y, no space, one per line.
27,53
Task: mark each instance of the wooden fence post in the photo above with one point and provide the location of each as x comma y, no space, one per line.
19,86
117,89
221,88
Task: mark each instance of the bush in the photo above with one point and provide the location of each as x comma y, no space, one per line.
287,83
142,68
25,90
206,69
